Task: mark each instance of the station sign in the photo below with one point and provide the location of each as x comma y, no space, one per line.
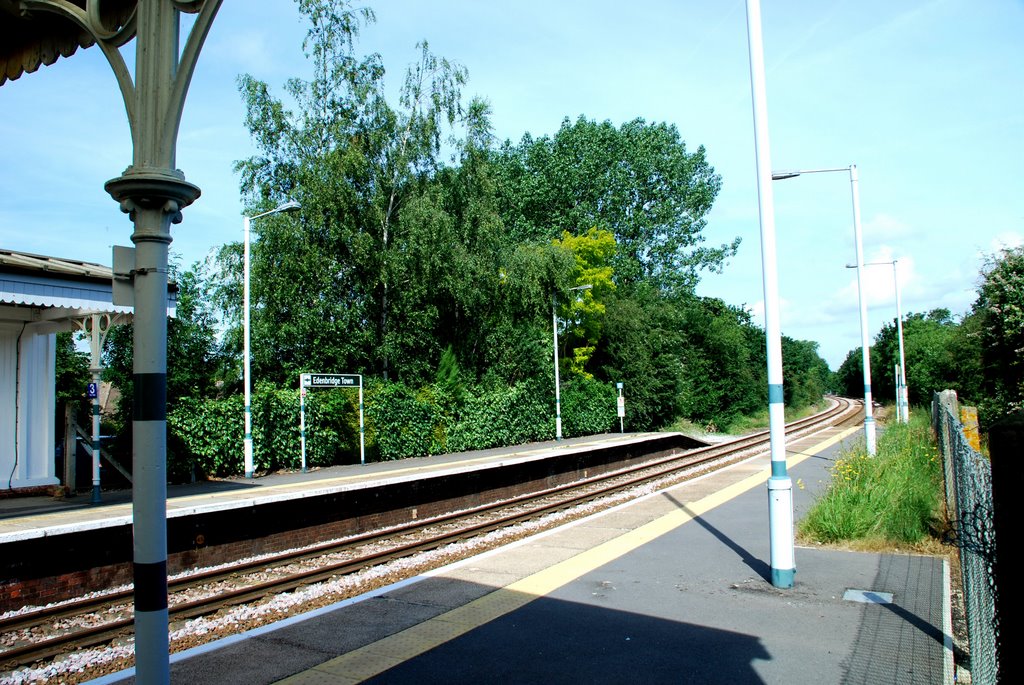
331,380
309,381
92,391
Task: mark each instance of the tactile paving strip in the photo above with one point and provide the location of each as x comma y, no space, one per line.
901,642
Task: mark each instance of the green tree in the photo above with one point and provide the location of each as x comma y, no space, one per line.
722,358
348,286
849,378
1000,312
582,311
637,181
641,347
196,364
806,376
71,370
929,346
517,343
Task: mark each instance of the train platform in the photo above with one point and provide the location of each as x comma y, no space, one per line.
34,516
670,587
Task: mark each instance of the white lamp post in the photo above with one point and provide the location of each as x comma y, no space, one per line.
284,207
902,394
558,397
780,485
869,421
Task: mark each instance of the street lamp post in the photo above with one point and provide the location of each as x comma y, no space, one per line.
902,394
780,485
558,397
869,421
284,207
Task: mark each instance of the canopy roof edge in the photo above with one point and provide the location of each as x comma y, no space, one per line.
31,38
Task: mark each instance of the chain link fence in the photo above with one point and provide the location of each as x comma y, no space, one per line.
969,505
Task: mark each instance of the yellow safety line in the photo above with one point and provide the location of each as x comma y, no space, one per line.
377,657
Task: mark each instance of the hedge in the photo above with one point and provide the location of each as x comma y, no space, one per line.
400,423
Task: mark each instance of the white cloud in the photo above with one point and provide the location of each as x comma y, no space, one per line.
1006,240
886,227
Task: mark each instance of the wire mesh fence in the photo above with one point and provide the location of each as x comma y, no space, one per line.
970,505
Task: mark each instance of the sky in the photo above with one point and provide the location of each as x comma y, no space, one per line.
925,97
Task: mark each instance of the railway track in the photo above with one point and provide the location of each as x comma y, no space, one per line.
36,636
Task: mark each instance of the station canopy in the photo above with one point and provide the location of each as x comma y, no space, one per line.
31,37
37,288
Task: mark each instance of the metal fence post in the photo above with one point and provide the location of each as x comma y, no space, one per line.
969,497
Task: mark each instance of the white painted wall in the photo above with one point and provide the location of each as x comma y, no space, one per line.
27,411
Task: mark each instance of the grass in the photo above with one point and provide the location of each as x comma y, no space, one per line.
891,499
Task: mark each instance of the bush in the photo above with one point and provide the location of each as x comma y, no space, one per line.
403,421
208,434
589,407
504,416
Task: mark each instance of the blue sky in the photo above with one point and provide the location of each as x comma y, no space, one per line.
925,97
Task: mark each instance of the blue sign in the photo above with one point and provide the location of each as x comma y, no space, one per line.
91,391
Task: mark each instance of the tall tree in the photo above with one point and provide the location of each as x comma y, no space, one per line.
637,181
849,378
1000,308
929,341
806,376
722,362
642,348
582,312
356,164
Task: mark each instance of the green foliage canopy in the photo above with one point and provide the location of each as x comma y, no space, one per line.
637,181
999,310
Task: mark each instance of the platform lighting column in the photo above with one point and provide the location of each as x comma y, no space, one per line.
865,343
902,397
904,404
558,394
780,487
97,326
247,440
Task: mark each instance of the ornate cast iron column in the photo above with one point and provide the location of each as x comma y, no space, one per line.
153,193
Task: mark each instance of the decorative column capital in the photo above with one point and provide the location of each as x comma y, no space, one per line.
153,188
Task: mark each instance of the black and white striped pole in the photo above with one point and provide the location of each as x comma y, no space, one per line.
153,192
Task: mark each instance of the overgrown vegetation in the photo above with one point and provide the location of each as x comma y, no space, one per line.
894,497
